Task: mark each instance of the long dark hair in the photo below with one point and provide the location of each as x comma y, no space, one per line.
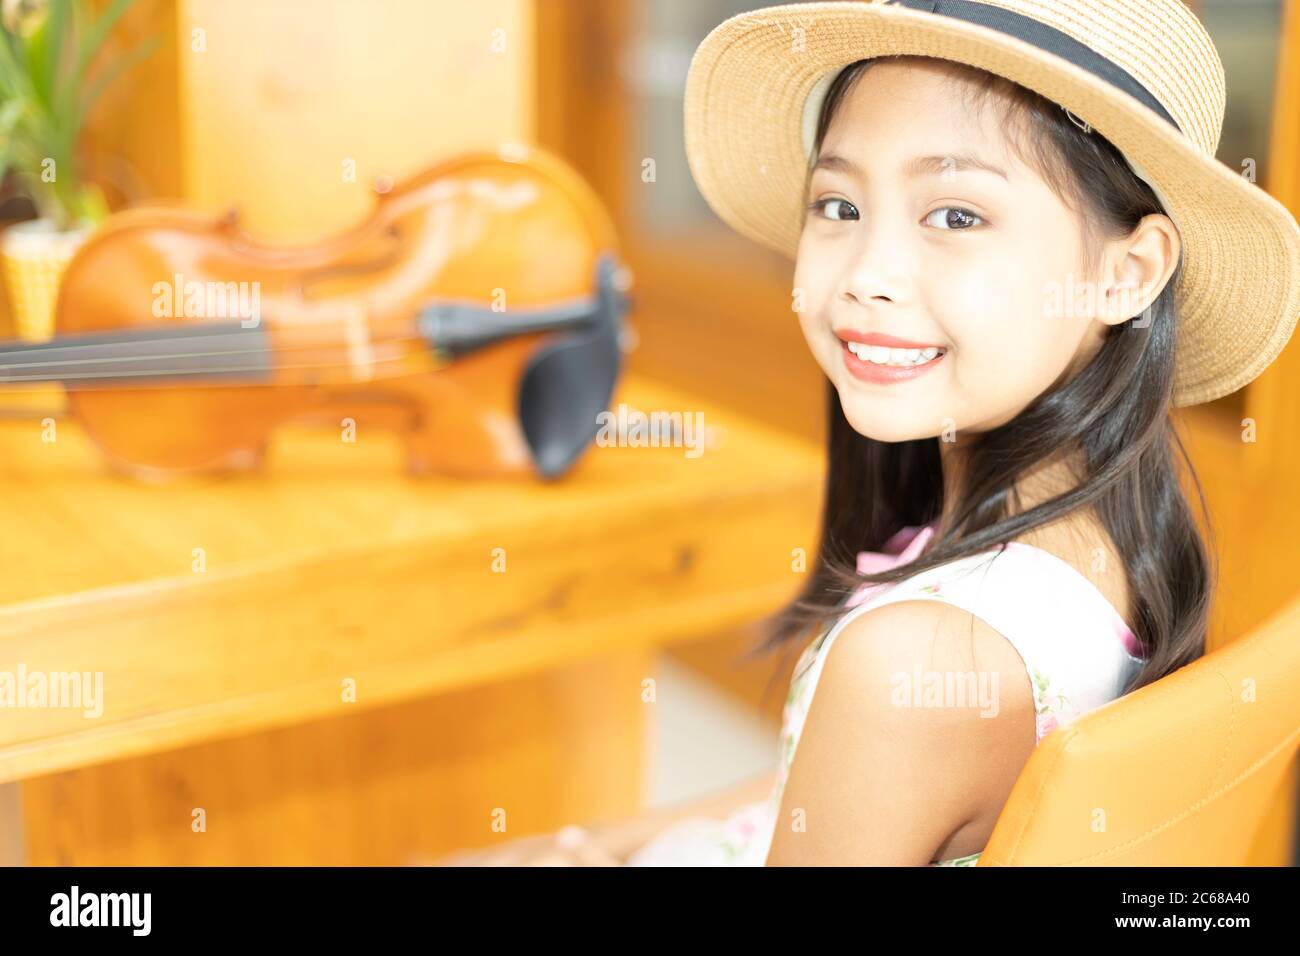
1117,411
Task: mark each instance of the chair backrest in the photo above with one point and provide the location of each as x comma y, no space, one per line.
1180,772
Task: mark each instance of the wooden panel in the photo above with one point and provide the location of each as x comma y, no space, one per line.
387,787
132,139
741,347
13,838
283,93
1267,485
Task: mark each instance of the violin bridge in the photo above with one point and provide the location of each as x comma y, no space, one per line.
356,333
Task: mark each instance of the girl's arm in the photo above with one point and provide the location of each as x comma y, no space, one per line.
625,835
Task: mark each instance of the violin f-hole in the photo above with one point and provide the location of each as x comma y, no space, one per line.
390,235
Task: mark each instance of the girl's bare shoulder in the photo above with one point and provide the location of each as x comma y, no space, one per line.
920,698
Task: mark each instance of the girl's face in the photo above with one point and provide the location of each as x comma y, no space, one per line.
926,228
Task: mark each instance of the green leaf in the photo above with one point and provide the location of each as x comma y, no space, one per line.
13,69
88,205
9,115
43,47
90,42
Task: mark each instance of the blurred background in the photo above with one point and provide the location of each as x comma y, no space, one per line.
601,674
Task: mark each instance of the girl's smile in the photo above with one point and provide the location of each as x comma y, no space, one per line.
884,359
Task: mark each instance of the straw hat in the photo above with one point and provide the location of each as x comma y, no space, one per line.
1143,73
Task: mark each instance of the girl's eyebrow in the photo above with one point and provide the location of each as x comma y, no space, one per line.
917,166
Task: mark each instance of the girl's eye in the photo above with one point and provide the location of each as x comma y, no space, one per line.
846,207
957,219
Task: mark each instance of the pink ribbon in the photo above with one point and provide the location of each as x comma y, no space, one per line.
905,545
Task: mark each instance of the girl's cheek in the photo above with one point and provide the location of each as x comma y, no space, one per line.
994,332
982,298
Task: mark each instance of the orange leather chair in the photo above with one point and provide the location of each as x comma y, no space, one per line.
1178,773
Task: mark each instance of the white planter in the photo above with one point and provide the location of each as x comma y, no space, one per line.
35,254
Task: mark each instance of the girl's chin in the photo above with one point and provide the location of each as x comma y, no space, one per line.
891,436
888,423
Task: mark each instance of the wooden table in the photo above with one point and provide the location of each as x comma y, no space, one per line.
331,662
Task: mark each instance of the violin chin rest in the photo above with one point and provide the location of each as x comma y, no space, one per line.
568,382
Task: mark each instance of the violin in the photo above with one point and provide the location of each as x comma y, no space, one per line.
477,311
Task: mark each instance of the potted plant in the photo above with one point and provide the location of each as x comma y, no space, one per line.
46,92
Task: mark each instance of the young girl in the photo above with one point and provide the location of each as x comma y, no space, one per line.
1008,292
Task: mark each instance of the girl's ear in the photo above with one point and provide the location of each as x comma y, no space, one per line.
1124,300
1142,263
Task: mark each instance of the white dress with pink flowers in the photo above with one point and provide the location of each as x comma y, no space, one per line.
1075,645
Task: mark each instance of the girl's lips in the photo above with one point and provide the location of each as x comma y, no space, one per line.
880,338
885,374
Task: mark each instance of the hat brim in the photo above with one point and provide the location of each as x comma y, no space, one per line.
1239,291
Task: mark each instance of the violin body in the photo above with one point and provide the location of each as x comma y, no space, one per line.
183,343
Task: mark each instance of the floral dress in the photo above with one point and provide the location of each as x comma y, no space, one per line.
1077,650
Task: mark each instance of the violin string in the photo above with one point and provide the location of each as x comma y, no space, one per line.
7,378
4,366
192,373
56,346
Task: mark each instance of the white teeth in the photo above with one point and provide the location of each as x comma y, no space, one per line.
881,355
